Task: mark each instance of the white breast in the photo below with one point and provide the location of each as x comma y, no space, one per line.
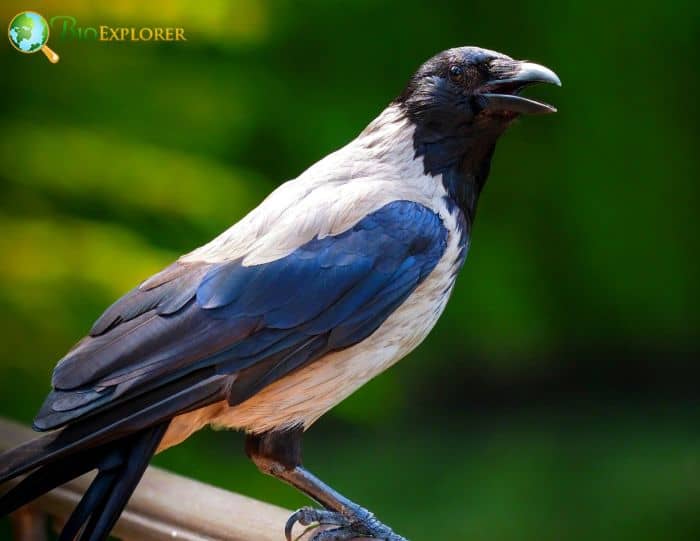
382,168
303,396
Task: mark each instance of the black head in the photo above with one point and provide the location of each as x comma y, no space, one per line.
471,84
461,100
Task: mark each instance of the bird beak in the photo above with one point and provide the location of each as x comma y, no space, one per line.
501,93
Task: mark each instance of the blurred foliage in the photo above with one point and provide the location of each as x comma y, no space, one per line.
583,266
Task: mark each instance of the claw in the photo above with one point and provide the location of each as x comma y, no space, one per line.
308,515
291,521
302,516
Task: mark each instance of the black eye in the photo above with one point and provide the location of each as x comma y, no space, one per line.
456,73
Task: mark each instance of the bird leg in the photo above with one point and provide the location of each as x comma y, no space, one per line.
278,453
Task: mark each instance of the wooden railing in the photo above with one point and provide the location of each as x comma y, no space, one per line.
164,506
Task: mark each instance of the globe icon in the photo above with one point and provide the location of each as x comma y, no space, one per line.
29,32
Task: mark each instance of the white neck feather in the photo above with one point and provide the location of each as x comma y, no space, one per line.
377,167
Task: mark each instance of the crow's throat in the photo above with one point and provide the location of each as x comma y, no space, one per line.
460,152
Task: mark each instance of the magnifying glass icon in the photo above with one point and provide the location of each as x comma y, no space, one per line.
28,33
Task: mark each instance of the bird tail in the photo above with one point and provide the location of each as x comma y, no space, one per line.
120,465
118,443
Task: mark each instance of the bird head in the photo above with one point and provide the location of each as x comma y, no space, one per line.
460,102
468,86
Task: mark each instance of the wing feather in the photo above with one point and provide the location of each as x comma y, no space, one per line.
256,322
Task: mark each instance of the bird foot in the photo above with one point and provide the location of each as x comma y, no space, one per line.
352,523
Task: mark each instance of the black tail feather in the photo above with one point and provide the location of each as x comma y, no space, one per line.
94,496
120,465
47,478
129,474
108,472
118,443
27,456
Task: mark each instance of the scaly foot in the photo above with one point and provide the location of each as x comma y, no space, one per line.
353,523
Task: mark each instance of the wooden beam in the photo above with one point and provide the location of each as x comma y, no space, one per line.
29,524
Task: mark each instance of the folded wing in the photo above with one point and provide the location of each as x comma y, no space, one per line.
254,323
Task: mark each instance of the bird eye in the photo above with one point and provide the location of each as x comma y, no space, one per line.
456,73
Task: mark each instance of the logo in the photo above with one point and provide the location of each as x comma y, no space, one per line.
28,33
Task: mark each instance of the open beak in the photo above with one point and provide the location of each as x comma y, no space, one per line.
502,93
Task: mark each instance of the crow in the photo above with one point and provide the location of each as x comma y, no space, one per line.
333,278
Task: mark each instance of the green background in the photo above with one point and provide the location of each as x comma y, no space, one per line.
557,398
